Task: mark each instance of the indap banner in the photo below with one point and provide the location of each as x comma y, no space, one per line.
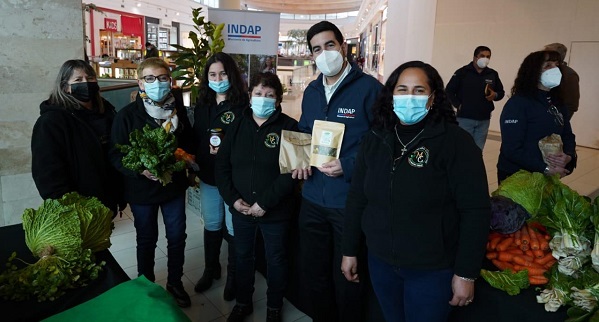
248,32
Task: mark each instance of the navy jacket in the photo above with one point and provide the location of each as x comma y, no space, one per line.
247,166
138,188
426,210
350,104
524,121
466,91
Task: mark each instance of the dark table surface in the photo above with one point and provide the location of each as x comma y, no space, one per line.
494,305
12,239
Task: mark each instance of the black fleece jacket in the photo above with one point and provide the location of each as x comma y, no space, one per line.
70,153
207,118
138,188
247,166
426,210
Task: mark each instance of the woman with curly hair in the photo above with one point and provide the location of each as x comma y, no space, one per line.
221,100
533,112
419,194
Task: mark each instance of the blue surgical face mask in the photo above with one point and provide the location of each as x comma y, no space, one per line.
157,90
410,109
219,87
551,77
263,107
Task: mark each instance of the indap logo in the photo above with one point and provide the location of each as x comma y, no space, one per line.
243,32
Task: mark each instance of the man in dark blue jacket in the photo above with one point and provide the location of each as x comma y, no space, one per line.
472,90
343,94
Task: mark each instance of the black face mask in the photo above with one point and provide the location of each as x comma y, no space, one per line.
84,92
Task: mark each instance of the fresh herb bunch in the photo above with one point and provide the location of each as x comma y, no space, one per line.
63,234
152,150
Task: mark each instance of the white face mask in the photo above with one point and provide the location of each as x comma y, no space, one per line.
482,62
551,77
329,62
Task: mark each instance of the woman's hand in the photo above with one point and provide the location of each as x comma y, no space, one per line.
558,170
213,150
463,291
149,175
242,206
256,210
301,174
558,160
349,268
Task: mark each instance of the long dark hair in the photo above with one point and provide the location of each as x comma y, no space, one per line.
236,94
268,80
59,95
441,109
527,80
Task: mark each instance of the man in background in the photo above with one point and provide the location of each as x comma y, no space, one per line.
151,50
569,89
472,90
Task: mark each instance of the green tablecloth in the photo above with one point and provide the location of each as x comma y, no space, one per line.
135,300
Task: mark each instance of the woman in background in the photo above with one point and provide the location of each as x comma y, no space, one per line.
220,102
419,194
71,139
533,112
259,196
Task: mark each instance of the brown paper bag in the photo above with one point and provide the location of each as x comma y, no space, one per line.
550,144
327,138
295,151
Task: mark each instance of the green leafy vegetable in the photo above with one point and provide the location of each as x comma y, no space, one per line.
152,150
507,280
527,189
63,233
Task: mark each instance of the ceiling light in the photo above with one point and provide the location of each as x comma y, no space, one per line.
139,4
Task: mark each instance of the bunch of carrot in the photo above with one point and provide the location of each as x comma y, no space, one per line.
526,249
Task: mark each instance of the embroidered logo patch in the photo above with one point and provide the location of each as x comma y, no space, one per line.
419,157
272,140
227,117
346,113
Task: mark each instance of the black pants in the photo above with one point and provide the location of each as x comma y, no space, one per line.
328,294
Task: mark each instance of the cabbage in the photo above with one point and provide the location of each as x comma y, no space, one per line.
507,216
527,189
63,233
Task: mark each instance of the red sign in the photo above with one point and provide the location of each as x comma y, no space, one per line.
110,24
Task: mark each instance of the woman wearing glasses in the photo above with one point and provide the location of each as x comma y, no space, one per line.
156,105
533,112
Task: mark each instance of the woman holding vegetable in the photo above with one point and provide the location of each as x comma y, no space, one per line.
419,194
260,198
533,112
156,105
221,100
71,139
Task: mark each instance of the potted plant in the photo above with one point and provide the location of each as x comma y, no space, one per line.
190,62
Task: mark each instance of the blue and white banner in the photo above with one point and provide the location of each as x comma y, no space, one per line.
248,32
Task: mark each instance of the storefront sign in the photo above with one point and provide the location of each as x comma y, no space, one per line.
110,24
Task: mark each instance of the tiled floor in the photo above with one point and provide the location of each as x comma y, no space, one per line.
210,306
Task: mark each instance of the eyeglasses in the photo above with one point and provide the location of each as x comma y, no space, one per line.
161,78
557,116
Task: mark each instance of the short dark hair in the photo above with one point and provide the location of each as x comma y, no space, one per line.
268,80
481,48
528,76
236,93
148,44
441,109
323,26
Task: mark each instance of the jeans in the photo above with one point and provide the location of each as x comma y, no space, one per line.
275,246
330,296
477,128
213,209
409,295
146,227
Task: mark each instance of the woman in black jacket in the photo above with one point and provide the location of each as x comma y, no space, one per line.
221,99
71,138
248,178
419,194
156,105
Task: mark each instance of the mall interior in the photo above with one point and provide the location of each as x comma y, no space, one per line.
39,35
